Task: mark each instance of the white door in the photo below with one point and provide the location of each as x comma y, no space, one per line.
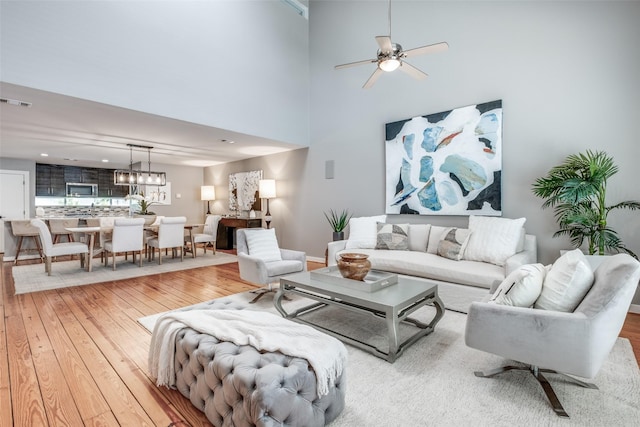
14,198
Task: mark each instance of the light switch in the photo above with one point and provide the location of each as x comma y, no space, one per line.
178,196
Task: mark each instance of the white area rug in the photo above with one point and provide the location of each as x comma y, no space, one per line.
33,278
432,383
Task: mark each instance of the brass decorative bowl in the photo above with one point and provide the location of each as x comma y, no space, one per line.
354,266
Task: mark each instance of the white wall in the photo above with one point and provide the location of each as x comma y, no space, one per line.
198,61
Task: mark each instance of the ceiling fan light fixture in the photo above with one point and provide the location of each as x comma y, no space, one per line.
389,64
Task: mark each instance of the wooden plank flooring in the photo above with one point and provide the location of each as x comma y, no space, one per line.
77,356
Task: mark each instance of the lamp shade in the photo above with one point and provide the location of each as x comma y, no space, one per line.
267,188
207,192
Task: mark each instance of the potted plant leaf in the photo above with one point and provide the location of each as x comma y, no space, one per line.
338,222
576,189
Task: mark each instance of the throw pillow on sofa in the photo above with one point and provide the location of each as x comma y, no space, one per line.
493,239
453,242
522,287
419,237
567,282
392,236
363,232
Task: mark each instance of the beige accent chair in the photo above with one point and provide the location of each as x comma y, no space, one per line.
22,228
127,237
208,235
551,342
170,235
58,249
255,270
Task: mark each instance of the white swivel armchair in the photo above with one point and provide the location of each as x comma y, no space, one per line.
51,250
127,236
554,342
170,235
256,268
208,235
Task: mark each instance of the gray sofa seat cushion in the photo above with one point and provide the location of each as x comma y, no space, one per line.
422,264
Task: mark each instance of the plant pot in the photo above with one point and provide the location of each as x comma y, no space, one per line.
338,235
354,266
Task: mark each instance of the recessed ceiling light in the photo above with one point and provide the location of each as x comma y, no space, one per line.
15,102
71,160
44,154
105,160
228,141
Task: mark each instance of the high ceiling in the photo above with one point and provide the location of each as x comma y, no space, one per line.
76,131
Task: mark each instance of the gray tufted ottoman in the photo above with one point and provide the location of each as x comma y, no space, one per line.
239,386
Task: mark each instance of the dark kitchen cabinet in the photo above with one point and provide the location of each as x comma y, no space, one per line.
81,175
50,180
106,187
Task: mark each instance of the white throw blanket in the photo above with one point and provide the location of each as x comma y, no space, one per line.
261,330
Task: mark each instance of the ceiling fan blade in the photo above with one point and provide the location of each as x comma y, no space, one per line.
413,71
432,48
351,64
385,44
373,78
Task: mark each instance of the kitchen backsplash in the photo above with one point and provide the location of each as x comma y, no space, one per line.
80,211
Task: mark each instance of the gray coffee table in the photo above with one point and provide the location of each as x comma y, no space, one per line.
394,304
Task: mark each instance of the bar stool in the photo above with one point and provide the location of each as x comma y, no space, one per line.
58,228
22,229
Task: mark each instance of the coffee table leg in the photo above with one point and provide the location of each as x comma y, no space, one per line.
392,326
277,301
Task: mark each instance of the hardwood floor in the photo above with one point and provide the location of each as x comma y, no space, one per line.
77,356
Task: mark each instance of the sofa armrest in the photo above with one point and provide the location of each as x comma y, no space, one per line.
332,249
288,254
529,255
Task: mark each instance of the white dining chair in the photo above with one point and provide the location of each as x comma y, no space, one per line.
208,235
51,250
170,235
127,236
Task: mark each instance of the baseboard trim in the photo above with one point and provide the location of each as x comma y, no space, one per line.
315,259
634,308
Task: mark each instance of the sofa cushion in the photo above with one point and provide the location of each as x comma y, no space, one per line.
493,239
453,243
432,266
392,236
362,232
262,244
419,237
567,282
522,287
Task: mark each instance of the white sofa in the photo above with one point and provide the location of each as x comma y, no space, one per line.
428,264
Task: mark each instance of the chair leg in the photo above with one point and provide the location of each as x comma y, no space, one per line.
15,262
47,265
542,380
113,260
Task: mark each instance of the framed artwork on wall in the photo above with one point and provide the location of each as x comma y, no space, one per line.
447,163
158,195
243,191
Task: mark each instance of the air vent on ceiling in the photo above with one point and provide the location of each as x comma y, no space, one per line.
15,102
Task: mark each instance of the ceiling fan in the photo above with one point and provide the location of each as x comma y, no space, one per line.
390,57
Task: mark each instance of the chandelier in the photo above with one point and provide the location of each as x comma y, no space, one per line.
139,177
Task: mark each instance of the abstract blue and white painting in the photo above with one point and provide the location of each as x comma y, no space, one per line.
447,163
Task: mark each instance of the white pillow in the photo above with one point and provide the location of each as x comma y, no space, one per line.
418,237
263,244
434,238
453,242
566,283
522,287
363,232
493,239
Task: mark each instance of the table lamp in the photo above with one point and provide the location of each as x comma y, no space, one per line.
267,190
208,193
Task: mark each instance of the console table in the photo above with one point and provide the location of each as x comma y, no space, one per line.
226,231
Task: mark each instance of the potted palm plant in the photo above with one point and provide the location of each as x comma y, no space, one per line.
576,189
338,222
